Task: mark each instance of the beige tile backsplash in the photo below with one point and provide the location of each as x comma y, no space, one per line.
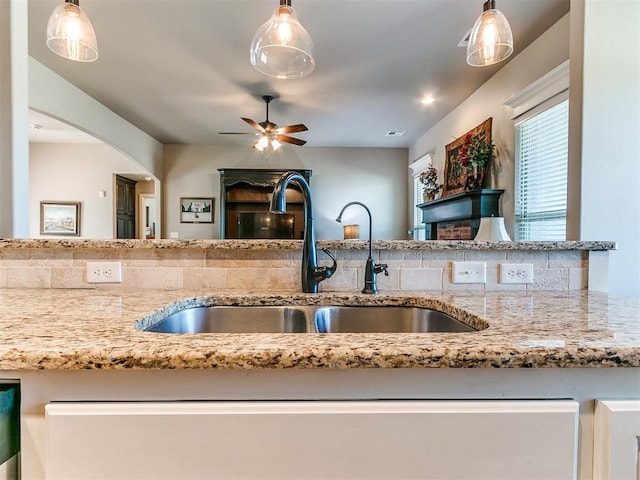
262,270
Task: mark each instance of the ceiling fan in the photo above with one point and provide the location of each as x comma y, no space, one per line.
270,133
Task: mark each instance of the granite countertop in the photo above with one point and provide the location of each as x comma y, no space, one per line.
62,243
88,329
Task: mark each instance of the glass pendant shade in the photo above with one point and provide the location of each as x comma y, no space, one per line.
70,33
282,48
491,40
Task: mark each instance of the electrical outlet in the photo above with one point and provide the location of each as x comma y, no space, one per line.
516,273
469,272
104,272
174,235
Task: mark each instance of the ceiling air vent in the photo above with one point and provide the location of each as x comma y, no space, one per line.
395,133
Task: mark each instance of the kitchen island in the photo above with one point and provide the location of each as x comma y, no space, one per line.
87,329
81,346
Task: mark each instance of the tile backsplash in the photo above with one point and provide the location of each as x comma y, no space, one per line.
275,269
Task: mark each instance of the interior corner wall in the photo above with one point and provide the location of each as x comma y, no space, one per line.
376,177
610,197
14,138
540,57
76,173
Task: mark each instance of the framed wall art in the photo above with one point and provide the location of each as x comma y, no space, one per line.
467,160
196,210
60,218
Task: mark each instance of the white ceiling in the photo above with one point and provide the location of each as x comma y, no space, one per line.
44,129
180,71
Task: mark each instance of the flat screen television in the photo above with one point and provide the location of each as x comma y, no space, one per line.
265,225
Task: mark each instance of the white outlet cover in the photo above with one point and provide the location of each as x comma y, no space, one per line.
516,273
104,272
469,272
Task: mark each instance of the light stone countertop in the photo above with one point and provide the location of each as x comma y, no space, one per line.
89,329
74,243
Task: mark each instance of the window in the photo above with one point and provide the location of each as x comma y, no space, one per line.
416,168
541,173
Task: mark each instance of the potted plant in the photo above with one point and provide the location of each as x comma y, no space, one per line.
429,180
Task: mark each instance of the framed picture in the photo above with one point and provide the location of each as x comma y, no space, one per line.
196,210
60,218
460,173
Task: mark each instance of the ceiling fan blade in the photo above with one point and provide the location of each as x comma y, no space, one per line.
287,139
292,129
254,124
237,133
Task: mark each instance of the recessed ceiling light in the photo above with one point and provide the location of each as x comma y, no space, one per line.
35,126
395,133
428,100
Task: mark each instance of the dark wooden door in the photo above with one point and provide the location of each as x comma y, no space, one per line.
125,208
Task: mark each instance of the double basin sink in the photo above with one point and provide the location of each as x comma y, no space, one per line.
312,319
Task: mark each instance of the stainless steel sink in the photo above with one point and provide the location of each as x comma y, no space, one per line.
301,319
229,319
377,319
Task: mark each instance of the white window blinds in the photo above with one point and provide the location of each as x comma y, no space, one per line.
416,169
541,174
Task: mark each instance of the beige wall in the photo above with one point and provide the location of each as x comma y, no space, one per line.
374,176
543,55
77,172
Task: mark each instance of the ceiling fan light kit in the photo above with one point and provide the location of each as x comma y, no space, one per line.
269,133
282,48
70,33
491,39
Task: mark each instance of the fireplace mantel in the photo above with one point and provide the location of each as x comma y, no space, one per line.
466,208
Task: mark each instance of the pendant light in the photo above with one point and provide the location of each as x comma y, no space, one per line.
491,40
282,48
70,33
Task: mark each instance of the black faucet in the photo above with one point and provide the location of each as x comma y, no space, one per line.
312,274
371,270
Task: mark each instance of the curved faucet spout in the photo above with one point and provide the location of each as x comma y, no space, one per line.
371,269
339,218
312,274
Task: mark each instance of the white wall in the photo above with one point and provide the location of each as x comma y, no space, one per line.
544,54
77,172
610,193
374,176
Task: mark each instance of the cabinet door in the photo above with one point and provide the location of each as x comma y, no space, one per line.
313,440
616,448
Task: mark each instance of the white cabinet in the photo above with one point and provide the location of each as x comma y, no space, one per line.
313,440
617,440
